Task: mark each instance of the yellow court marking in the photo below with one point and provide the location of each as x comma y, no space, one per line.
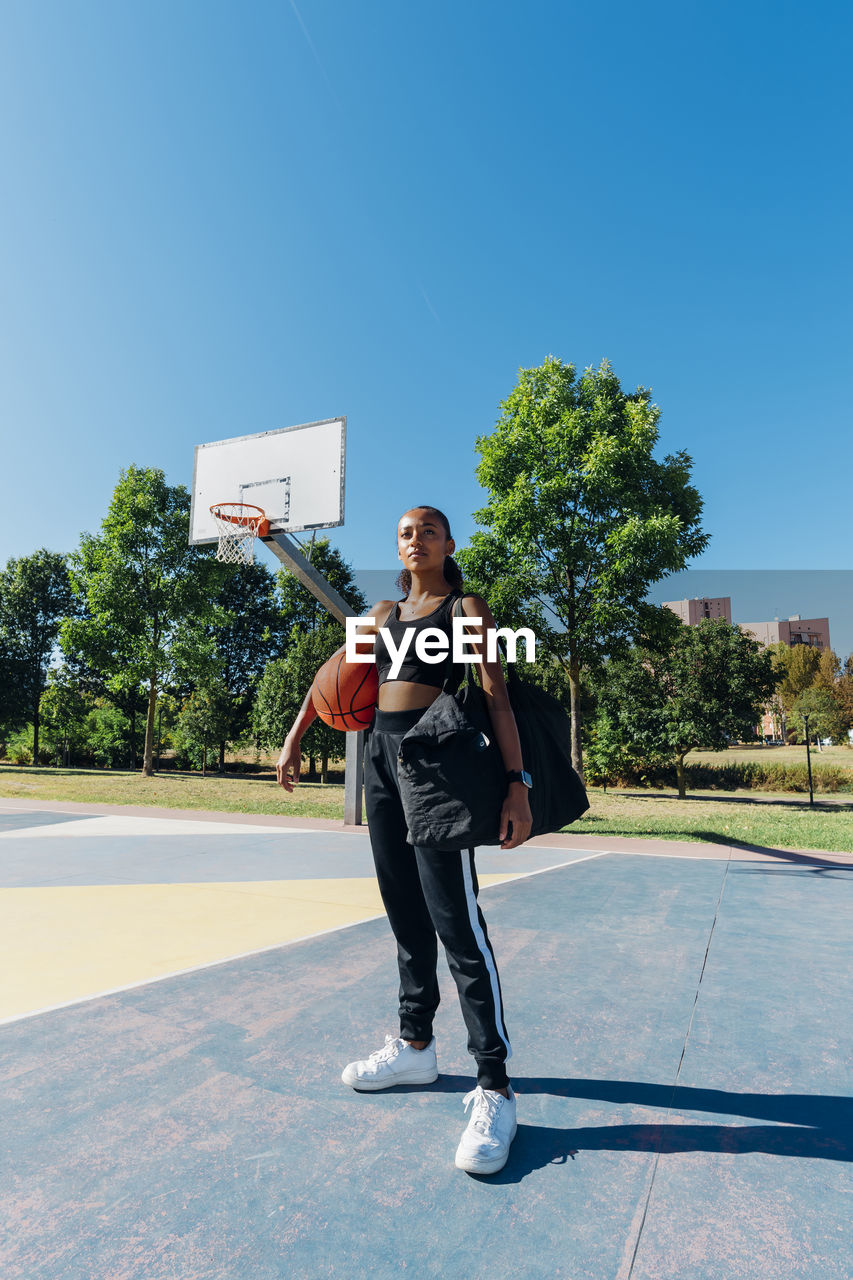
61,944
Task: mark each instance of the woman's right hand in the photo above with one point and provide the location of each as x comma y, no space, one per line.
288,764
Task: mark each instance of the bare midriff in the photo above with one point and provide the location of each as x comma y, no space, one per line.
405,695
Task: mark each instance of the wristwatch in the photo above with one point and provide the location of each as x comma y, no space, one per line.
519,775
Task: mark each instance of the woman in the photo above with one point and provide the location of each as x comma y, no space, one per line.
427,892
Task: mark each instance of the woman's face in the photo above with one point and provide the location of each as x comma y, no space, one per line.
422,541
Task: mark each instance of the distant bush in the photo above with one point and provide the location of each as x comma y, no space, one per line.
750,775
19,747
105,741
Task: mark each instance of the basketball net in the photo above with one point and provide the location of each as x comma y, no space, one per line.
239,523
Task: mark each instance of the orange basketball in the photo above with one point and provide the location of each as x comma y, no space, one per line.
344,693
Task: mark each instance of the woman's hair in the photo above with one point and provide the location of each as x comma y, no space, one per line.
452,572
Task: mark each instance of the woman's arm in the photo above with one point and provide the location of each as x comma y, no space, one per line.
289,761
516,806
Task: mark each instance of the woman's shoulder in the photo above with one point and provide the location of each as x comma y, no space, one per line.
471,602
474,606
381,610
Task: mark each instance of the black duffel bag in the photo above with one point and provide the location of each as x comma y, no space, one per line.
452,775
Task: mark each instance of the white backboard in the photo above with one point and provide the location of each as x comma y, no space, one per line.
296,474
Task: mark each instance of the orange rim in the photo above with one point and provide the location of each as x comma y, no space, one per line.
237,515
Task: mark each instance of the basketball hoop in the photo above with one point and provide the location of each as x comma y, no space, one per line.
239,523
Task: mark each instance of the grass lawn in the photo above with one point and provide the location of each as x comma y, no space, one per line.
774,819
758,753
235,793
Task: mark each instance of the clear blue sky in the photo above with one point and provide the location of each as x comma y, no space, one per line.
221,218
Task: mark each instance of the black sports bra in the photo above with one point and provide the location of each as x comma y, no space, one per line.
412,668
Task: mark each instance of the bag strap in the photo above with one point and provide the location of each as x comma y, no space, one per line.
453,681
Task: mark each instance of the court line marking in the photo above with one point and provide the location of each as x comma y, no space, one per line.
134,827
512,878
7,804
669,1108
685,857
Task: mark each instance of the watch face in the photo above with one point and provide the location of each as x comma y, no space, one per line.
526,778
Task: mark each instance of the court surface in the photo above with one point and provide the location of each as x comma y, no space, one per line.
180,994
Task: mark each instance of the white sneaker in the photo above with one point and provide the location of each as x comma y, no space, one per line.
395,1063
485,1143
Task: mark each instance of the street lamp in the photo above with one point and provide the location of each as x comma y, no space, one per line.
808,758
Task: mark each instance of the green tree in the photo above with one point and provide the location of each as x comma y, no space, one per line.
95,675
708,688
581,518
845,693
779,654
205,719
63,710
299,608
835,680
282,688
35,596
824,713
312,637
107,736
606,751
10,683
828,671
146,591
249,632
799,663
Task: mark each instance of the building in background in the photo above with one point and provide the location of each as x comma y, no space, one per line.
790,631
693,611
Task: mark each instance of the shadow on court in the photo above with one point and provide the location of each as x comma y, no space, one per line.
830,800
536,1148
811,861
803,1125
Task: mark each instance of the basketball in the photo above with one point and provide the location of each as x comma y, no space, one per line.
344,693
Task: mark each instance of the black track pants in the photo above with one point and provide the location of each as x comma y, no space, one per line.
425,893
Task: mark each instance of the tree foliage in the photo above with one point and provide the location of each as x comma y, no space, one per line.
825,715
107,737
709,687
246,634
845,693
799,664
581,518
607,752
146,592
302,610
63,710
35,596
828,672
805,670
282,690
205,719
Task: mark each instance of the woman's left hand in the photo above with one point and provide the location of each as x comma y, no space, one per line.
516,810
